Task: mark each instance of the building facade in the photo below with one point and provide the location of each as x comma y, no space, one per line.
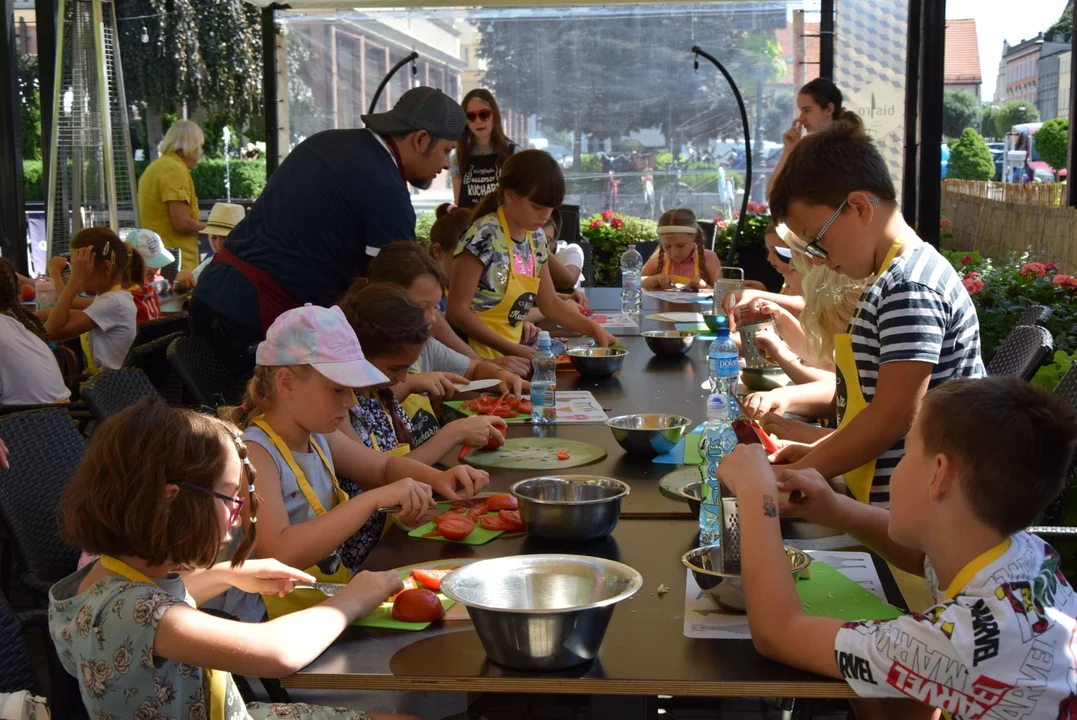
1022,68
962,66
1064,87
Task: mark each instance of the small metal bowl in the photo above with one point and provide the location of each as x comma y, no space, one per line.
652,433
693,493
597,361
575,508
541,612
762,379
672,343
716,321
727,589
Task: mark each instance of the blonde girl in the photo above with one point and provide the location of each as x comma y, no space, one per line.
158,513
680,257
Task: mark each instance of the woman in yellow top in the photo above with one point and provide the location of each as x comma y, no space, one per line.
167,203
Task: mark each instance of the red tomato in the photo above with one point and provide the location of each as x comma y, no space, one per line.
417,605
477,512
511,517
494,443
456,527
502,501
409,584
27,293
563,455
430,578
504,412
525,407
513,403
495,523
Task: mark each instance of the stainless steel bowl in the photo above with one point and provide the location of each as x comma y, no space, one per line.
672,343
763,379
727,589
570,507
597,361
541,612
652,433
693,493
715,320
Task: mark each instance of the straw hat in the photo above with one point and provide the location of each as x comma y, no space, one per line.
223,218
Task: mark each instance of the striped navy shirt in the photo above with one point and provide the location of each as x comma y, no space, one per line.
916,311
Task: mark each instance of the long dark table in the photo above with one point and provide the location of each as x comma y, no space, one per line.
645,652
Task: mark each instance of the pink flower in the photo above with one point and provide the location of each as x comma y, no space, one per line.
736,214
596,224
1050,267
1034,268
719,223
973,275
617,223
607,214
973,285
968,259
1067,281
944,224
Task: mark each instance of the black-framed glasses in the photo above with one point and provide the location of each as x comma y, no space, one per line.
812,249
237,502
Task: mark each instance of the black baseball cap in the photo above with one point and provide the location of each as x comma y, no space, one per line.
421,108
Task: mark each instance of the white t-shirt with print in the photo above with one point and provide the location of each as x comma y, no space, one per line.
1000,645
114,313
571,255
439,357
29,374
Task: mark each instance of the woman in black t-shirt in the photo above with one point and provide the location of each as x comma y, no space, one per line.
481,151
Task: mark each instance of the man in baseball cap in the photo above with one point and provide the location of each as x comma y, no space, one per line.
335,201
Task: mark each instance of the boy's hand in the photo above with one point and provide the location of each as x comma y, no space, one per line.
810,497
747,466
759,404
790,453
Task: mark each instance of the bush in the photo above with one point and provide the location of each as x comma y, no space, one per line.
753,234
423,222
610,234
32,177
1053,142
971,159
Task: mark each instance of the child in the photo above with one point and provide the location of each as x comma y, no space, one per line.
680,257
107,326
148,257
223,218
396,331
451,224
915,326
500,267
126,626
982,461
29,373
300,395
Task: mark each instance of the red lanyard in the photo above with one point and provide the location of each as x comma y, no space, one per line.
396,156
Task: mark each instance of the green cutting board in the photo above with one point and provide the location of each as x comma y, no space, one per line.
537,453
457,406
828,593
478,536
382,617
691,449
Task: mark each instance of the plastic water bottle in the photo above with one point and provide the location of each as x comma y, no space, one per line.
723,368
45,291
544,382
631,281
716,441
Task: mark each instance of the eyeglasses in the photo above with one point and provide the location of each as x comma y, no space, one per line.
480,115
237,502
812,249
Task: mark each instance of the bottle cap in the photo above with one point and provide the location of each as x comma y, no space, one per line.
544,339
721,323
631,246
717,403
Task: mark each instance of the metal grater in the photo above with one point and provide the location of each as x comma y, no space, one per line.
725,285
730,535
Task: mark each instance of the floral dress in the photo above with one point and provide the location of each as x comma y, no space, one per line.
104,637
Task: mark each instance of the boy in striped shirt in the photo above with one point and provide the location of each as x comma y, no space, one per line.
915,326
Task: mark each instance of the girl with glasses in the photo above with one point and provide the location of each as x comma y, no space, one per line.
481,150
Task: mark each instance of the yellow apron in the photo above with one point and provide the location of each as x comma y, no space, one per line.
507,317
303,599
850,397
680,278
87,348
215,681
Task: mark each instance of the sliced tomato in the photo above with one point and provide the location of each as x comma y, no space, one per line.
495,523
430,578
410,583
456,527
433,533
525,407
512,517
504,412
477,512
563,454
513,403
502,501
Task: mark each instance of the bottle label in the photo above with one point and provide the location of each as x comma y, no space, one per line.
728,365
630,280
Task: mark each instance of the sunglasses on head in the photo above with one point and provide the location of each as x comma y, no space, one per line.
237,502
480,115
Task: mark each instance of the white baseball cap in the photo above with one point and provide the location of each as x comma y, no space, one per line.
149,246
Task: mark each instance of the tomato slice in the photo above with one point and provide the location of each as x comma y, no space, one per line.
769,445
410,583
511,517
504,412
430,578
563,455
478,511
502,501
524,407
513,403
495,523
456,527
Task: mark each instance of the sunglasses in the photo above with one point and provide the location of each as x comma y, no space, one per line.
812,249
480,115
237,502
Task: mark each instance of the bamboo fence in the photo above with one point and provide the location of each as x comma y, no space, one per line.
995,218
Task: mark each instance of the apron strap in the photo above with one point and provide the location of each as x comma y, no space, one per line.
895,249
301,477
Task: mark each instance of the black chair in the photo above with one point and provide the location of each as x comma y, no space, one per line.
170,270
152,359
153,329
45,448
1022,352
588,268
17,671
1035,315
109,392
709,231
570,223
206,382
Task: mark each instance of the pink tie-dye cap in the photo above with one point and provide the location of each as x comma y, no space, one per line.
322,338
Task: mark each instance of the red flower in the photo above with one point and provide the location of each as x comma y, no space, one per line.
968,259
944,223
1050,267
1067,281
736,214
607,214
973,275
719,223
972,284
617,223
1034,268
596,224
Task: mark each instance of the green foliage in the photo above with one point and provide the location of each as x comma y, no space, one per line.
753,234
32,181
1010,114
960,110
1050,375
29,107
1063,27
248,178
989,123
610,234
423,222
970,159
1053,142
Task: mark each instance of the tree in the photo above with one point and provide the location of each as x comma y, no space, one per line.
230,43
1010,114
1063,27
960,110
1053,142
970,159
29,107
989,123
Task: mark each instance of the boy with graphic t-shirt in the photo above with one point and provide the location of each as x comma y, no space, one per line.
914,328
982,461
